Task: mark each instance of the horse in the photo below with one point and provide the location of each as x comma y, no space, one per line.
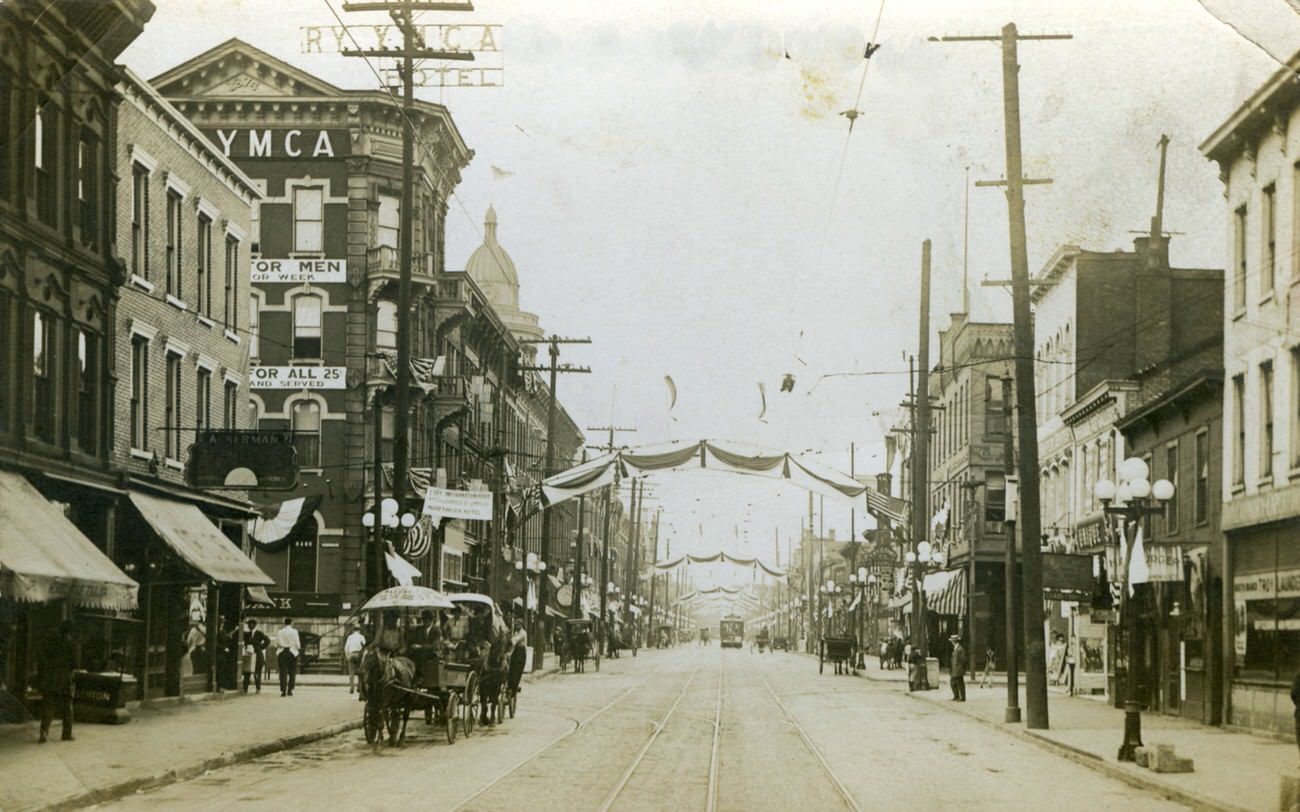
383,678
496,670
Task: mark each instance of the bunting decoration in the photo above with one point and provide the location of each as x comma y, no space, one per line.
280,523
718,557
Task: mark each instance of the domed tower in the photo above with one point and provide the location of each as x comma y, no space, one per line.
494,272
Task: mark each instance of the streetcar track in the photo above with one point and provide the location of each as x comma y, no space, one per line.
840,788
711,802
645,748
527,759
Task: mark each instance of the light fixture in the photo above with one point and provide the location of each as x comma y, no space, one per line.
1163,490
1133,468
862,574
1104,490
923,550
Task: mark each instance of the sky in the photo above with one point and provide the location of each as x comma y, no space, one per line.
675,181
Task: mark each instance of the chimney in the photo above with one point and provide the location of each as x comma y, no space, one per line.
1153,301
884,482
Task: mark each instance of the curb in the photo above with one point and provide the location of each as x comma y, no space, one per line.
163,778
1087,759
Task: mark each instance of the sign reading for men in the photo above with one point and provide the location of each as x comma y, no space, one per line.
297,271
451,504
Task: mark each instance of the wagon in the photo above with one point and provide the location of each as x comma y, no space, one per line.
579,644
840,651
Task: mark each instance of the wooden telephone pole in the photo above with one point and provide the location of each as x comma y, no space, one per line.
604,545
413,48
1030,520
554,368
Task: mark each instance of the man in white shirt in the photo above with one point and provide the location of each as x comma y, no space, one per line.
287,645
352,647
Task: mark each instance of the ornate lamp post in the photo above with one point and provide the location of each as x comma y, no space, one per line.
923,558
864,583
1131,500
388,519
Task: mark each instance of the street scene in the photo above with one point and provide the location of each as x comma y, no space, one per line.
477,404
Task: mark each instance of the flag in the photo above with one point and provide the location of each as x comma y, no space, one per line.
879,504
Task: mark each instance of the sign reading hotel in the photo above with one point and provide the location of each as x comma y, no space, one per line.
481,41
297,271
306,377
452,504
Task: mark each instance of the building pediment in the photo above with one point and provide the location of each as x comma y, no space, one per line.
237,69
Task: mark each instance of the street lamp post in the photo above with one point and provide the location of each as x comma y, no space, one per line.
863,583
533,565
1132,499
387,519
923,558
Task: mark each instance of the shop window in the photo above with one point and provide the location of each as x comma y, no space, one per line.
308,219
87,391
203,266
386,325
139,393
172,406
44,375
305,423
140,221
303,556
174,244
307,326
1266,590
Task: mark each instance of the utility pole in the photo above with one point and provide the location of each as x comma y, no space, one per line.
654,579
1012,606
604,550
920,457
413,47
576,607
1030,521
555,368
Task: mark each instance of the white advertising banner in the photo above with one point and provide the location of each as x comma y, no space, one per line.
305,377
453,504
297,271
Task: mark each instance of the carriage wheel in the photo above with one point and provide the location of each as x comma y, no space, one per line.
468,709
514,702
449,714
372,721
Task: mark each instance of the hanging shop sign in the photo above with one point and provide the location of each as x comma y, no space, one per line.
453,504
228,458
295,142
1067,576
297,271
304,377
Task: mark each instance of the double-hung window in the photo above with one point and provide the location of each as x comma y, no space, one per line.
172,406
45,367
87,391
203,266
174,244
307,326
230,307
140,221
309,219
45,162
1266,419
140,393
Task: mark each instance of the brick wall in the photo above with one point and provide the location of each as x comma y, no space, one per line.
171,323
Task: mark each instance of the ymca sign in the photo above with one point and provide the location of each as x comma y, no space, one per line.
304,142
297,271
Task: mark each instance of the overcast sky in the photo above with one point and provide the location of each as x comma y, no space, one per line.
669,184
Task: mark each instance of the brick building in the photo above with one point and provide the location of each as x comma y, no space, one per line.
59,286
1256,152
181,355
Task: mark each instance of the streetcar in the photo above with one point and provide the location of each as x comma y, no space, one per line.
731,632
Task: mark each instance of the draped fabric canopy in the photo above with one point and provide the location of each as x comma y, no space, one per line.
671,564
705,454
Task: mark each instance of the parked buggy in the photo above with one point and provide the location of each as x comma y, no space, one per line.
580,645
841,651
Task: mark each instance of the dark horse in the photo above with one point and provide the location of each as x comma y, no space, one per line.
387,705
496,671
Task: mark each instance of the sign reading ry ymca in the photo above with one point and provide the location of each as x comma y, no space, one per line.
294,142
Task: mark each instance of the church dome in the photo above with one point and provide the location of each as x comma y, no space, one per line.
493,270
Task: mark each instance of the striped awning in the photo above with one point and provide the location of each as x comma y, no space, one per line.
948,598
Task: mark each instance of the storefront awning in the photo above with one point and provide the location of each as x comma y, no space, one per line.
44,557
198,541
946,593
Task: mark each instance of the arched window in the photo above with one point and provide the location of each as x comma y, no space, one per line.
306,326
386,325
305,422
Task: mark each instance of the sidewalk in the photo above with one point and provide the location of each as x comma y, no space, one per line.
1233,770
170,741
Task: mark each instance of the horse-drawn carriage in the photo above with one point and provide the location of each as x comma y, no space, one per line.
842,651
579,645
445,667
763,640
780,643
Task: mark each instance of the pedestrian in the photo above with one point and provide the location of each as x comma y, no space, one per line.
518,655
915,666
957,669
58,659
987,678
352,648
254,660
287,645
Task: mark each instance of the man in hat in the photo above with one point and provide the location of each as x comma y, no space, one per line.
957,672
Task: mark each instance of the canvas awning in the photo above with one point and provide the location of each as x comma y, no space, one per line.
197,540
44,557
948,597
